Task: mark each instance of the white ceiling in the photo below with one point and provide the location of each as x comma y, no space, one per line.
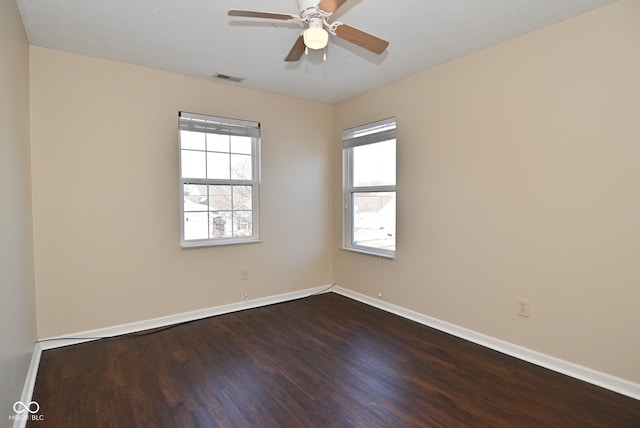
197,38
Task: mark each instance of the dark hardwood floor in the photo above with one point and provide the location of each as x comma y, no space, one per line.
323,361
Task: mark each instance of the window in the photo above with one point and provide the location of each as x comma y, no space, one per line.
369,181
219,179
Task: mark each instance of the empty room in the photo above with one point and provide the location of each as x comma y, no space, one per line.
332,213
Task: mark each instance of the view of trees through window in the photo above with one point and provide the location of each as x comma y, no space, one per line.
217,211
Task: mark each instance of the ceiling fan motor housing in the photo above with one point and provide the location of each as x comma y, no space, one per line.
308,8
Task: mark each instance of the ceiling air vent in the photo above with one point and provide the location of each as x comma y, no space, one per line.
221,76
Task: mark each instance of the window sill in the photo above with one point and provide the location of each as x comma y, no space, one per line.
372,252
221,243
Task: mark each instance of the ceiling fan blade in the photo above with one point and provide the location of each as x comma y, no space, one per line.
361,38
330,6
267,15
296,51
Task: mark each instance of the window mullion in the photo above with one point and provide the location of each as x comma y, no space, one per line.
361,189
217,182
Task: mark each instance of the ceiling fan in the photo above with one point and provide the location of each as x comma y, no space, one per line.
316,36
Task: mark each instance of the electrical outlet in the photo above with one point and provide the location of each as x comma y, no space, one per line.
244,274
523,307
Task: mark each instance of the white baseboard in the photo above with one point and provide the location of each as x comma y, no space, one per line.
29,383
586,374
89,335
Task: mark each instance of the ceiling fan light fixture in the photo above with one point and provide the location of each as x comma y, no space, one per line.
316,14
315,38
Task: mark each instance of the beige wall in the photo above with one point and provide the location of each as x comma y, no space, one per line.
17,301
518,177
105,195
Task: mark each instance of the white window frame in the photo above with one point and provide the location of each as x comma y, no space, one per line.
222,126
371,133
